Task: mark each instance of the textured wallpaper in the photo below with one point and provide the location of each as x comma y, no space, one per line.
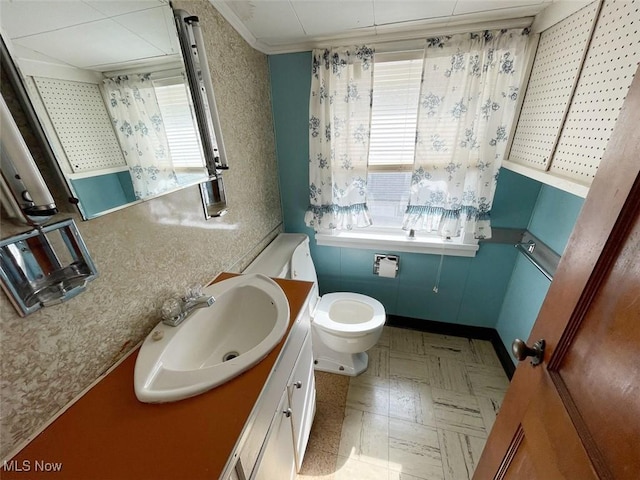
146,252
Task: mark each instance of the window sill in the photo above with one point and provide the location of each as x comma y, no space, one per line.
397,242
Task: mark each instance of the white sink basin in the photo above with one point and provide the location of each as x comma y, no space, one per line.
214,344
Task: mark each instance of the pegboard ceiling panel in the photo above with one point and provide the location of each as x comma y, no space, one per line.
79,116
606,76
553,77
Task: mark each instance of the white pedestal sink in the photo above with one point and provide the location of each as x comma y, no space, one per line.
214,344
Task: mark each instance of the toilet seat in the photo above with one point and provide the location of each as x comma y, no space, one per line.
349,313
343,325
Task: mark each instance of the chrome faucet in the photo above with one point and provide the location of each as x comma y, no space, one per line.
176,310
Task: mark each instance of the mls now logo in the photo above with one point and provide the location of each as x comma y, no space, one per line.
29,466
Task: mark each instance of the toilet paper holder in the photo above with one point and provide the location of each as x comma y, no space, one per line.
379,256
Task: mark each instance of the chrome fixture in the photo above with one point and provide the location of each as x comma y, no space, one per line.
386,265
197,69
23,187
212,191
542,256
214,198
45,266
176,310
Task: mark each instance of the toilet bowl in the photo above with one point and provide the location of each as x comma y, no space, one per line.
344,325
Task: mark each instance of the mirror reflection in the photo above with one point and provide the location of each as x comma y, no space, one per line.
107,82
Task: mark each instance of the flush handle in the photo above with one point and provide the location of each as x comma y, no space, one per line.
521,351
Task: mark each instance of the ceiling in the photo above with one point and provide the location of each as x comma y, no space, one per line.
94,35
280,26
107,35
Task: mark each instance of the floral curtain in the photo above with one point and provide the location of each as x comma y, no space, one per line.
468,96
138,123
339,125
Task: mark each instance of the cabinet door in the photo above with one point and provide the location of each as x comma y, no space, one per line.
277,458
551,84
302,398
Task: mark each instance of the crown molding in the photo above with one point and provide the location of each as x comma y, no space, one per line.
397,35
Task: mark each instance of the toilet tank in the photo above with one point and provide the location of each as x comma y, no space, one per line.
302,267
288,256
275,259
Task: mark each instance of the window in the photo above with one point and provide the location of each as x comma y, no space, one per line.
394,115
393,129
179,123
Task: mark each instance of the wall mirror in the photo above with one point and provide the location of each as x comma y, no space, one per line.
107,83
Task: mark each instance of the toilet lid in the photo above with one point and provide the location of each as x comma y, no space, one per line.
346,312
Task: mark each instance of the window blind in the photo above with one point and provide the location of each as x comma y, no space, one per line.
179,124
396,91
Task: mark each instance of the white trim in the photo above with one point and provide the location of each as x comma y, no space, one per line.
96,173
566,184
394,240
35,68
411,34
556,12
388,40
153,66
230,16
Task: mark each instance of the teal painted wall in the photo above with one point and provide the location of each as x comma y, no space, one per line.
104,192
290,87
554,216
552,221
471,291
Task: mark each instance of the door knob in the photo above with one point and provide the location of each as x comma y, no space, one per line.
287,412
521,351
298,384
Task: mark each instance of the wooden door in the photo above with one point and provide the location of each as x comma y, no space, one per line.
577,415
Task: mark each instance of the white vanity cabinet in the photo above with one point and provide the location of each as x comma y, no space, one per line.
302,400
277,458
275,436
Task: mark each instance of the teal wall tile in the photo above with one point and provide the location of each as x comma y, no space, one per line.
525,294
423,303
552,221
487,283
104,192
472,290
514,200
554,216
328,283
357,263
326,259
418,269
416,296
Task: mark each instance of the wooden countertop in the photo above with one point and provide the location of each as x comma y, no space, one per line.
109,434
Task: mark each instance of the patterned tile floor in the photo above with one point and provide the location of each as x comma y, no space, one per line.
422,411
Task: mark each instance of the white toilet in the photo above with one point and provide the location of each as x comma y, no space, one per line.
344,325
